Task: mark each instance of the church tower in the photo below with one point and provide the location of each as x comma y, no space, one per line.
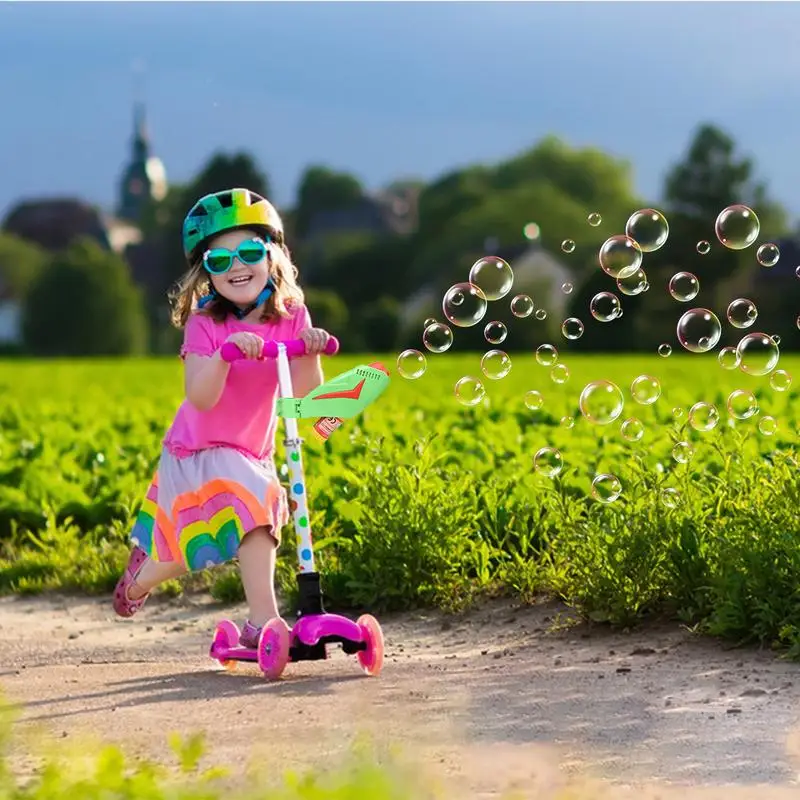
144,178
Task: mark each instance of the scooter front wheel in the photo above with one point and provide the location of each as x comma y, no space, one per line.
273,648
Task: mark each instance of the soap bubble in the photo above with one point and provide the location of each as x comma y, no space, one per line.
546,355
428,322
678,414
606,488
411,364
521,306
699,330
775,338
493,276
620,256
684,286
464,305
533,400
758,354
633,284
768,254
437,337
540,314
742,404
645,390
495,364
780,380
567,287
469,391
495,332
567,422
605,307
548,462
670,497
568,246
682,452
703,416
742,313
664,350
594,219
767,426
632,429
601,402
728,358
648,228
572,328
703,247
737,227
559,373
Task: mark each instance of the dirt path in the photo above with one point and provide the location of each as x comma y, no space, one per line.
498,699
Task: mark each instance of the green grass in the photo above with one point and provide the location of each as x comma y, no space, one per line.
422,501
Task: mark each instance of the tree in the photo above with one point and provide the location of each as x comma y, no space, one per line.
323,189
21,263
84,304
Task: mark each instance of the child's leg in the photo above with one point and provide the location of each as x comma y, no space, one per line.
151,574
257,553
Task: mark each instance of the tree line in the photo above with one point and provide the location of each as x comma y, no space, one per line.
358,282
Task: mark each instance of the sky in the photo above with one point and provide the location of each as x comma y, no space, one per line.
389,90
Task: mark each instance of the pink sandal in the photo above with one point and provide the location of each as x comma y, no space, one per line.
123,604
249,636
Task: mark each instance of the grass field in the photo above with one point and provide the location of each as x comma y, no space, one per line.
425,501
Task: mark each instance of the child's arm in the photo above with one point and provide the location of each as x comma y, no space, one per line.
204,380
306,374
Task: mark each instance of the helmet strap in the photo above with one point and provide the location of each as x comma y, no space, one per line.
240,313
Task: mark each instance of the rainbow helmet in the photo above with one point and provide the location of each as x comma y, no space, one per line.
225,211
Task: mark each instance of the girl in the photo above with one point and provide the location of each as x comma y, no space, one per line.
216,494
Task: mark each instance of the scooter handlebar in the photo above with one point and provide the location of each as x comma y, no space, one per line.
294,348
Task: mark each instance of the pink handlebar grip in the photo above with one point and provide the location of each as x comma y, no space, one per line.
294,347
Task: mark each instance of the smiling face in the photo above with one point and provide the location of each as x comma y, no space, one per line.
242,283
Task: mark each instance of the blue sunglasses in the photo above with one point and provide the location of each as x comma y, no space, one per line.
219,260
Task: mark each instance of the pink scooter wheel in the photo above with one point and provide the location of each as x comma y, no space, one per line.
371,659
273,648
226,636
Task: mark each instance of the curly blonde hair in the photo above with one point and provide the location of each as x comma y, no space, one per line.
196,282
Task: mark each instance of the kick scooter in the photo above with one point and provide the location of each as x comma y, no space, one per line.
307,640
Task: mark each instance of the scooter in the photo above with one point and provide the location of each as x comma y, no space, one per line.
307,640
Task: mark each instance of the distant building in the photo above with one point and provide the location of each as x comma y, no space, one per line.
144,178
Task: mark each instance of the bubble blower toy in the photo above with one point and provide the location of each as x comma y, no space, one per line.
342,397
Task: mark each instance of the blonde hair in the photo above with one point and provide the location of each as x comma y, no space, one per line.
196,282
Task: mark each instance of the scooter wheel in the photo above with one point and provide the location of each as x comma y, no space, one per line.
226,636
371,659
273,648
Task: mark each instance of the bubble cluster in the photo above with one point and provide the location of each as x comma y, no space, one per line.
493,276
546,355
495,364
742,313
521,306
568,246
437,337
699,330
464,305
495,332
572,328
620,256
411,364
649,228
606,488
548,462
768,254
737,227
683,286
645,390
605,307
601,402
758,354
469,391
533,400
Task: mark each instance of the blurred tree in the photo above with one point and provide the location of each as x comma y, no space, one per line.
323,189
84,304
21,263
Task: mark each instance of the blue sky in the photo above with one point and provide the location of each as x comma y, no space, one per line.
388,90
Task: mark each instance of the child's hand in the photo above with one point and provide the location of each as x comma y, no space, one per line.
251,344
315,340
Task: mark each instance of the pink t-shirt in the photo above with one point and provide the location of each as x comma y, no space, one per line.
244,418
